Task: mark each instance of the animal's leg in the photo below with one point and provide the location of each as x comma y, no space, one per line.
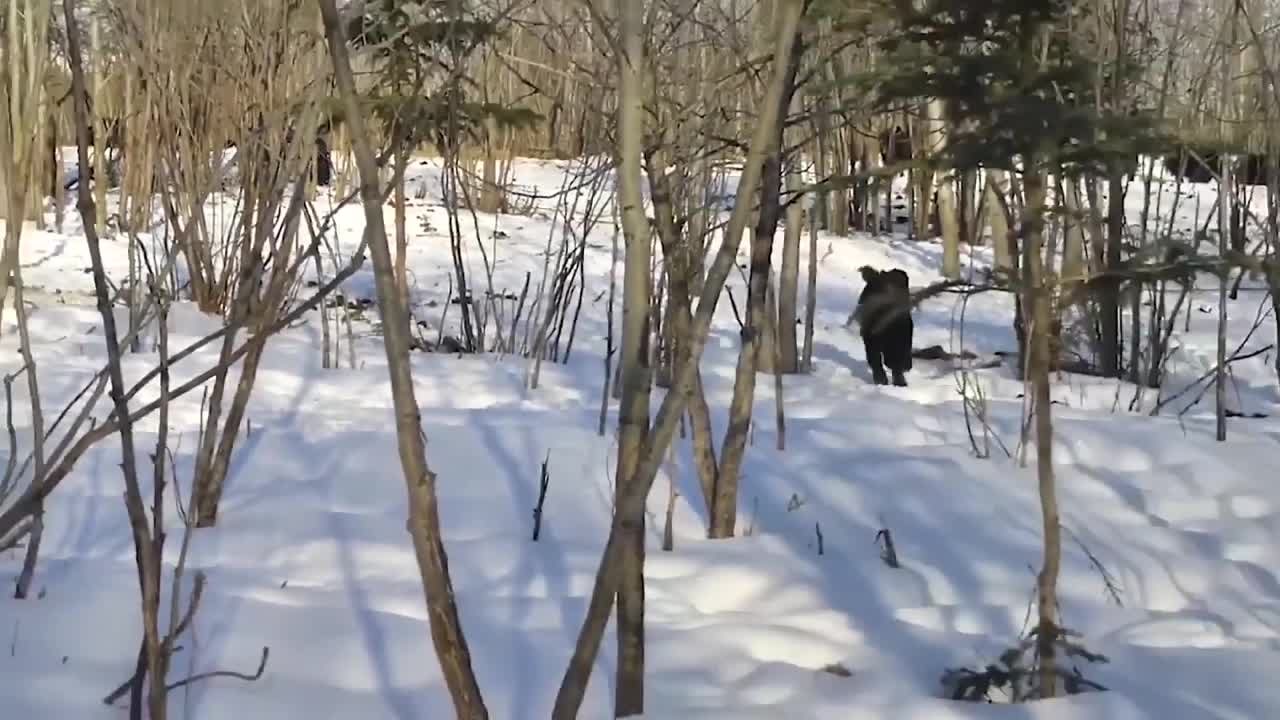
875,360
898,351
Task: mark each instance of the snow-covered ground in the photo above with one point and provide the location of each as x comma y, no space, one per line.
311,558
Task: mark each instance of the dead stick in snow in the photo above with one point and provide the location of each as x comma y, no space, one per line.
262,666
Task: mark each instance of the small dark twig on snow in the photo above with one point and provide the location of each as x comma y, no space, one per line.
262,666
887,551
544,482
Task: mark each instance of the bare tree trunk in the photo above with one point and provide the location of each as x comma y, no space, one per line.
948,216
997,218
53,142
821,152
258,300
1037,302
23,586
402,235
949,220
699,215
734,447
779,404
662,358
1275,310
145,555
1226,198
490,193
1109,301
1257,48
766,338
876,217
208,494
424,520
23,58
328,353
922,180
968,207
789,277
838,200
573,686
1073,267
208,486
1220,371
129,198
1073,272
1109,294
863,191
633,413
341,152
681,271
100,169
4,212
1273,242
811,294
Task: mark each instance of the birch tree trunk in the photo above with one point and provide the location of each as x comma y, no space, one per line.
863,197
877,207
948,215
1073,266
633,412
789,277
838,150
811,293
424,520
100,169
821,154
1226,199
920,179
23,58
995,203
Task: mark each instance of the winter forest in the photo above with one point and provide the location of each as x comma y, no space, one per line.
676,359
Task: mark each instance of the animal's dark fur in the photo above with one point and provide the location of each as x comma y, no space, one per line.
324,163
884,319
1204,166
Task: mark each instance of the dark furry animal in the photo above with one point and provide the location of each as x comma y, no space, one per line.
1204,167
324,164
895,146
884,318
322,169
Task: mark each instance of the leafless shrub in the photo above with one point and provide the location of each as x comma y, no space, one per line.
580,207
1018,680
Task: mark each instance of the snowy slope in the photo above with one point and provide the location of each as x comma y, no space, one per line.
311,559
